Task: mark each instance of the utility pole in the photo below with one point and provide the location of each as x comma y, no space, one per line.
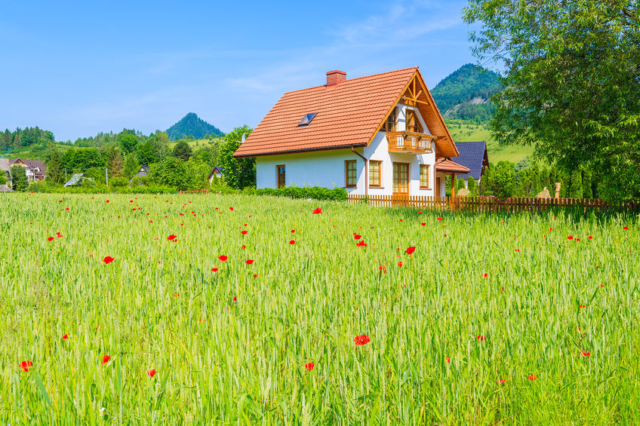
65,175
106,174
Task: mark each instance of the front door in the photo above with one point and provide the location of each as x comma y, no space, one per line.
401,179
437,187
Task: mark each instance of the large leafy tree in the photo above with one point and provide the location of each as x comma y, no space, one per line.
147,153
128,142
182,150
19,178
175,173
572,82
238,172
131,166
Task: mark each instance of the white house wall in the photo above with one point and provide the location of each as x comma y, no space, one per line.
327,168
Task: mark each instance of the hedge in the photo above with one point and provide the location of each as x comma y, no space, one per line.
315,192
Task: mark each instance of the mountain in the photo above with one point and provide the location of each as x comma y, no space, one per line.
192,125
465,93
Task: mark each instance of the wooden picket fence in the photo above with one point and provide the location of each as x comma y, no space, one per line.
492,204
200,191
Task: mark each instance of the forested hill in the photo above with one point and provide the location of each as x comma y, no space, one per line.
465,93
192,125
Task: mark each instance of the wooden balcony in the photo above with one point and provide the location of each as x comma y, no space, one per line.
410,142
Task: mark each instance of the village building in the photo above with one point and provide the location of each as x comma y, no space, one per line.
376,135
35,169
474,156
216,172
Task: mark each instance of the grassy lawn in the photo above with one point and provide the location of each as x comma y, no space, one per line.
493,319
469,132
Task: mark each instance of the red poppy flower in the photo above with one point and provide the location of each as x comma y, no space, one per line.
361,244
292,242
24,365
67,209
105,359
223,258
356,236
582,306
439,218
255,276
151,372
309,366
448,360
317,211
517,250
485,275
625,228
65,337
107,260
501,381
243,247
361,340
590,237
214,269
50,239
423,224
550,229
419,212
532,377
481,337
383,268
410,250
293,230
244,232
400,264
585,353
171,237
231,208
235,298
249,262
569,237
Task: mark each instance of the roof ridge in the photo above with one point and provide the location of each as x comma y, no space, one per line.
354,79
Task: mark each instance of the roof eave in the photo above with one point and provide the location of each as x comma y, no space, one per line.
298,151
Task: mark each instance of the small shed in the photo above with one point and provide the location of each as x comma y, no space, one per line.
217,172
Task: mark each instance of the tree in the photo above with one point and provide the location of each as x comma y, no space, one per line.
55,172
160,143
175,173
471,184
114,161
19,175
503,180
239,172
147,153
128,142
571,82
131,166
182,150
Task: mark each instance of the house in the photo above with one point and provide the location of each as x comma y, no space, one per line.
35,169
474,156
5,168
77,179
143,172
217,172
373,135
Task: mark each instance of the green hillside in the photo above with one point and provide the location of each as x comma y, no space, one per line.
465,93
468,131
192,125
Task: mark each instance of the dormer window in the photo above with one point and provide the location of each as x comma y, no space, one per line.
413,123
306,120
390,124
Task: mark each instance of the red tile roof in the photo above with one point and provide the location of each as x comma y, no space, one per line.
448,166
348,114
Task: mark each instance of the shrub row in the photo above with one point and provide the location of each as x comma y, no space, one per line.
315,192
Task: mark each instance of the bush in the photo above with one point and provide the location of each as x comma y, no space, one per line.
119,182
315,192
471,184
140,181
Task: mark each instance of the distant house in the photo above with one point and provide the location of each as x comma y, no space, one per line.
35,169
5,168
77,179
217,172
143,172
374,135
474,156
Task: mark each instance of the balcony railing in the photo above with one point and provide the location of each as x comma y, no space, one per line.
410,142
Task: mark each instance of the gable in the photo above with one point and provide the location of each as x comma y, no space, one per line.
473,155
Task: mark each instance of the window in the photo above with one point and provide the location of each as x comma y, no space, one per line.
375,168
281,178
390,124
351,173
424,176
306,120
413,123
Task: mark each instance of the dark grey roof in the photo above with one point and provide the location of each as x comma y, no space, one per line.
471,156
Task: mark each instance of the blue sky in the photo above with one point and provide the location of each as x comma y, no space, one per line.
82,67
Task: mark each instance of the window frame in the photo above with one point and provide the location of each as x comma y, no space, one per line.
428,168
379,163
385,125
416,121
284,176
346,173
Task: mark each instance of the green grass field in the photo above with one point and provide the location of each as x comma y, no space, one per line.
492,320
466,131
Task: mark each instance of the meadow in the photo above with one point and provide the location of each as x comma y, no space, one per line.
195,309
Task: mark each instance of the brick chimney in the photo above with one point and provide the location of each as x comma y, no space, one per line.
335,77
